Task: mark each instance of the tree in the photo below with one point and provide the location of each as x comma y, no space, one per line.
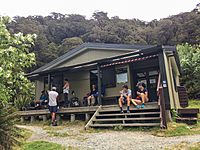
68,44
190,63
14,58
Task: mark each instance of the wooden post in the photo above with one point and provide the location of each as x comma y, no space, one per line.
32,119
49,82
22,119
72,117
162,109
99,84
44,118
87,116
164,79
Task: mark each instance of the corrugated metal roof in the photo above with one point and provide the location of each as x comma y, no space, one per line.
85,46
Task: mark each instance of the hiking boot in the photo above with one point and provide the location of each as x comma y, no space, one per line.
142,106
137,106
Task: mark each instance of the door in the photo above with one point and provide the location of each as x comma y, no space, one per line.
150,78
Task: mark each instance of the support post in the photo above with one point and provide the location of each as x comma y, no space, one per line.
49,82
44,118
32,119
164,79
72,117
87,116
99,84
22,119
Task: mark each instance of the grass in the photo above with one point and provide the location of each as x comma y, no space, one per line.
194,104
178,129
58,134
42,145
185,146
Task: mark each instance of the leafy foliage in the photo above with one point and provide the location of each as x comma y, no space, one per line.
14,59
190,62
57,33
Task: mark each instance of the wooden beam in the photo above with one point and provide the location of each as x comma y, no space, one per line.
99,85
164,79
93,117
49,82
163,121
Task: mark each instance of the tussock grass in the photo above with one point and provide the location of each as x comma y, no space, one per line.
185,146
42,145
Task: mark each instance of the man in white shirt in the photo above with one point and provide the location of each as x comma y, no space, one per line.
125,97
53,104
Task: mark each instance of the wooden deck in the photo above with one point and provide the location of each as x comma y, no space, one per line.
73,111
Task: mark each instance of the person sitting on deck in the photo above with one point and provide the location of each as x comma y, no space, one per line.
92,96
53,105
125,97
43,98
142,96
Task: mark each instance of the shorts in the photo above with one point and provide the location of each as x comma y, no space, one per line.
138,98
53,109
124,99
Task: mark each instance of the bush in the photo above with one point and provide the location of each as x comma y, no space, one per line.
190,64
8,131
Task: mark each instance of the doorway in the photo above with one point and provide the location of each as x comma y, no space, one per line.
147,72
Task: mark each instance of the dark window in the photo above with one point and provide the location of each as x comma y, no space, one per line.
108,77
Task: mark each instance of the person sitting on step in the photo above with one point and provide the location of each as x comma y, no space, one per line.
142,96
125,97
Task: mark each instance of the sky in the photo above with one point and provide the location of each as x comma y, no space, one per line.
145,10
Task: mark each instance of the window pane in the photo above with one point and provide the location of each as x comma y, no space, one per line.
122,78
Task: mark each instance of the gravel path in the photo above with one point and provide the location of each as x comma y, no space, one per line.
76,137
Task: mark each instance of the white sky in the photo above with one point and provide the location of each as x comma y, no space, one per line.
146,10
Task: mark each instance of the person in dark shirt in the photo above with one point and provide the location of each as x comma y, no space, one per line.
92,96
142,96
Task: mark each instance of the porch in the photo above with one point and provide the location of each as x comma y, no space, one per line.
100,116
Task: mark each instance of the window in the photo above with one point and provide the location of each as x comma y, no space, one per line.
121,75
108,77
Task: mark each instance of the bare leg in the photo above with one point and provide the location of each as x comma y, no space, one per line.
120,101
143,97
120,104
128,104
88,99
92,100
53,116
146,98
136,102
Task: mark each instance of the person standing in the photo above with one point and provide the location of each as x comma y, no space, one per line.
53,105
66,92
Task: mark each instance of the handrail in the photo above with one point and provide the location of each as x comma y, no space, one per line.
163,120
90,121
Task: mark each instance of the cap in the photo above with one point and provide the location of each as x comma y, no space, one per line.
53,88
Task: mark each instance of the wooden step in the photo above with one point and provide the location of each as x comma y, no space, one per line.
132,109
126,125
127,119
188,111
128,114
187,119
